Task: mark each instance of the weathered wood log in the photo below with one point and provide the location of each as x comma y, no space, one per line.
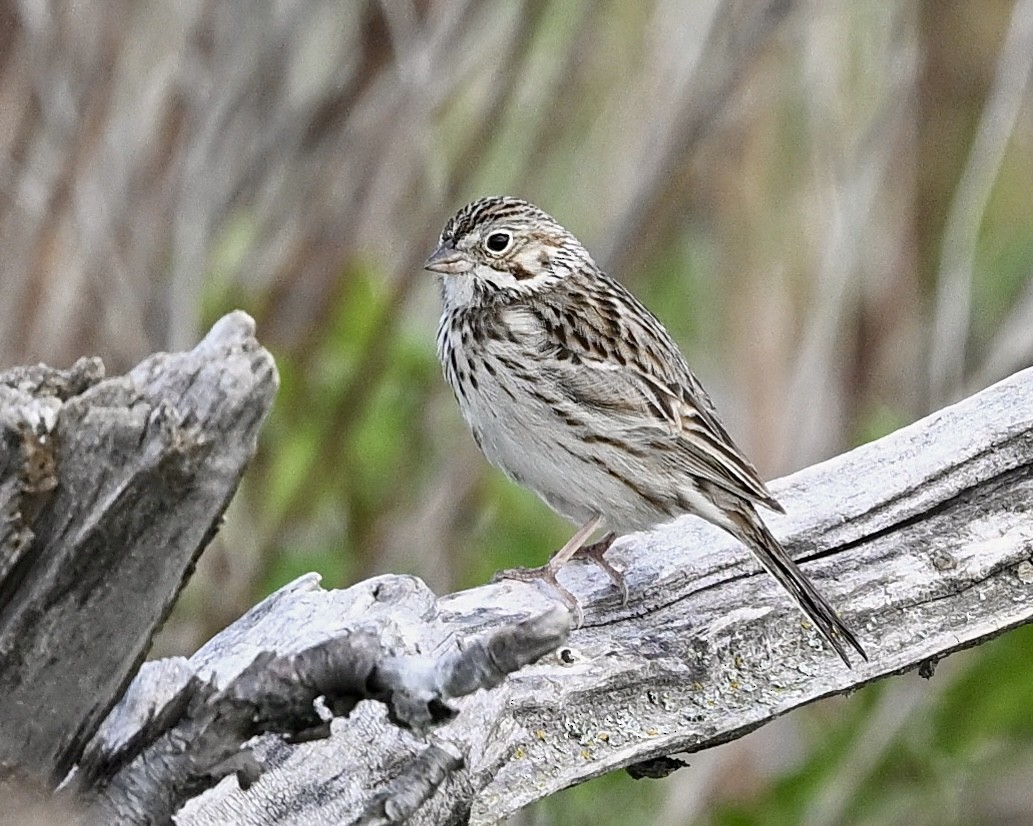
176,735
109,490
922,540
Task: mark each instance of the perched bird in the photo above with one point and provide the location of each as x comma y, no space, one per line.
576,391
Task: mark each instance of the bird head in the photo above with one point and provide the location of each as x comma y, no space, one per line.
504,246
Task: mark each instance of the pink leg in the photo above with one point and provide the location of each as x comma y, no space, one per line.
574,544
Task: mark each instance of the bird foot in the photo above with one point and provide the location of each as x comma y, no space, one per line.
547,573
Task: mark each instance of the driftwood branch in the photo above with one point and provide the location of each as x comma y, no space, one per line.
922,540
109,490
158,751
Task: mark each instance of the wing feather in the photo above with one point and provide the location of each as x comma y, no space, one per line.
622,363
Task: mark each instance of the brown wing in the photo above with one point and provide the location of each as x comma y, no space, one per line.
613,355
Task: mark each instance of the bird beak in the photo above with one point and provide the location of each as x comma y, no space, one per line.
448,260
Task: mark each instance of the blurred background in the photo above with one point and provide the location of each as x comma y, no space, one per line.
828,203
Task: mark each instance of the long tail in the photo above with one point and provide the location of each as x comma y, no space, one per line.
749,529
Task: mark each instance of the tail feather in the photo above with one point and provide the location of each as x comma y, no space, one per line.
750,530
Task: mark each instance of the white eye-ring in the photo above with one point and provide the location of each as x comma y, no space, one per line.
498,242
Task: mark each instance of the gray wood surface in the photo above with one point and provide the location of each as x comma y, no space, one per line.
922,539
109,490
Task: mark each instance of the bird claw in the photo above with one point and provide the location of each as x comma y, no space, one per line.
547,574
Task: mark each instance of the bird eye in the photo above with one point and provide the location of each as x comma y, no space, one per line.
498,242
